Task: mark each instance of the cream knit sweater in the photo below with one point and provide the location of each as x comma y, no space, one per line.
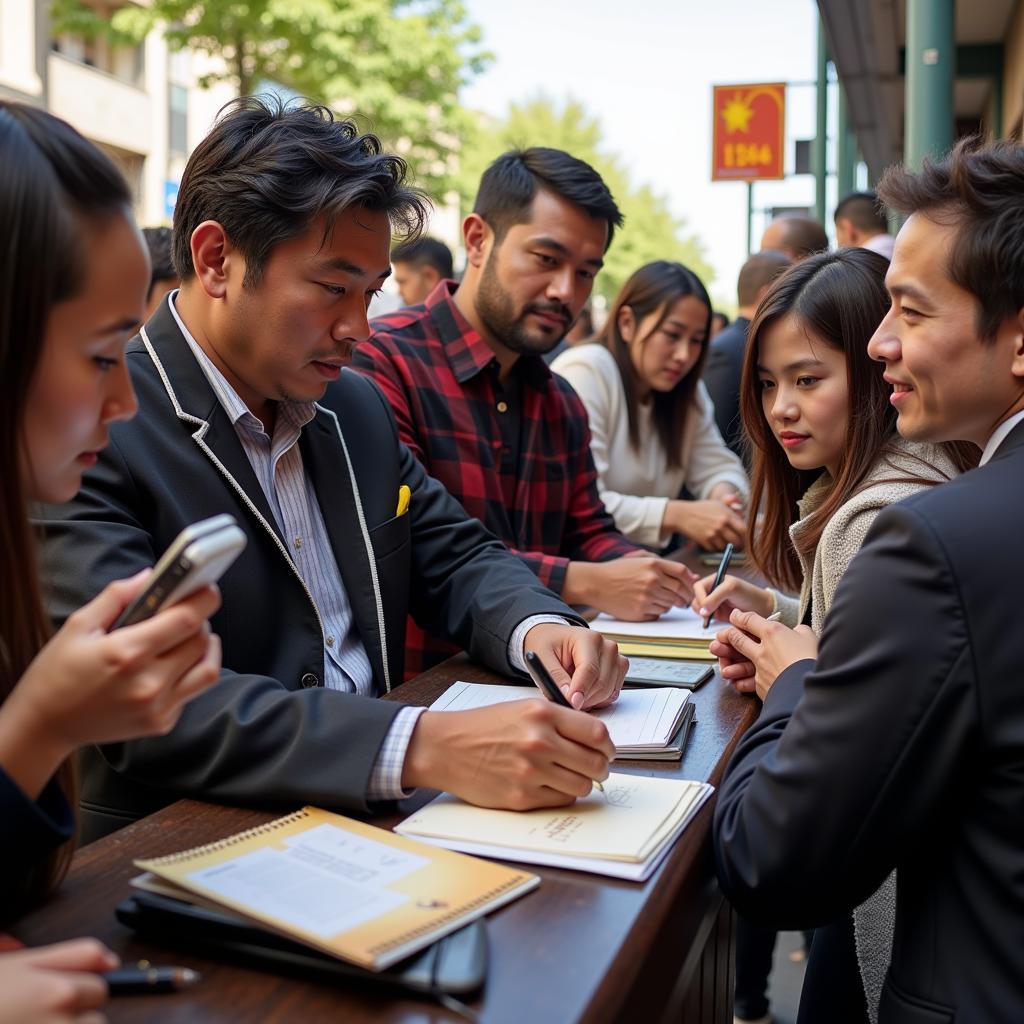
875,919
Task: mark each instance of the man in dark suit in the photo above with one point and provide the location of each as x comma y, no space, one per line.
282,232
724,367
902,745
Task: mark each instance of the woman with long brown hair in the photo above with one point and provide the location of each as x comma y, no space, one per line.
73,280
827,459
652,424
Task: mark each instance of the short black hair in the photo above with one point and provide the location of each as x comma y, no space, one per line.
509,185
760,270
425,252
269,169
978,189
864,211
161,263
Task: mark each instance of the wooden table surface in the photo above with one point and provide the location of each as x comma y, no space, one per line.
581,947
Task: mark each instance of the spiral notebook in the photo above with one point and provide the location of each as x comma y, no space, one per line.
340,886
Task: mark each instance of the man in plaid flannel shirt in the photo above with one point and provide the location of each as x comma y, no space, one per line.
478,406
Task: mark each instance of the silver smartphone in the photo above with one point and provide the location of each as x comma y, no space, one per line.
199,555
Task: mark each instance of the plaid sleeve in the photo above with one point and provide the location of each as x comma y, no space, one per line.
590,533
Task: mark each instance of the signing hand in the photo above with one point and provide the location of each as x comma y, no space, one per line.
770,647
637,587
730,594
585,665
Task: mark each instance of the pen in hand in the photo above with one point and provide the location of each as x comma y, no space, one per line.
722,566
543,679
149,979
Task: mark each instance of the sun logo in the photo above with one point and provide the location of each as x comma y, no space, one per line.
737,114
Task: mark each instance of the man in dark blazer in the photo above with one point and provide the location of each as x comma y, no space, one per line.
724,367
282,233
902,745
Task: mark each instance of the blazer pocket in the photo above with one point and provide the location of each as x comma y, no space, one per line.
390,536
896,1004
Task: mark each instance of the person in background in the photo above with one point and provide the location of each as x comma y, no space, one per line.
419,266
652,425
163,278
796,235
64,323
582,330
724,366
719,322
826,446
478,406
861,220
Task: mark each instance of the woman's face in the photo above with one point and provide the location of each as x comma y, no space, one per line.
804,394
664,353
81,383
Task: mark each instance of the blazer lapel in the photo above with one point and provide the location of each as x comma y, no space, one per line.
325,462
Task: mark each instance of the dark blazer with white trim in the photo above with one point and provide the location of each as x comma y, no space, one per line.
269,732
903,747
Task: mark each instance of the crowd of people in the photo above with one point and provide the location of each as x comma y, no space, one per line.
488,467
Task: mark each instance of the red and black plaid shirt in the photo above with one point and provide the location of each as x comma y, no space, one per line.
442,382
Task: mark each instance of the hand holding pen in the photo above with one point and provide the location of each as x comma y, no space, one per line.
722,567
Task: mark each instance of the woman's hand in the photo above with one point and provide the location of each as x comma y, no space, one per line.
731,594
712,524
770,647
89,686
55,984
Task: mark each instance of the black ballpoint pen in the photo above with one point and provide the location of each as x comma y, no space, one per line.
146,978
543,679
722,566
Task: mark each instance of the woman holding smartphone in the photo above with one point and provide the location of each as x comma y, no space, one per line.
73,280
826,460
652,424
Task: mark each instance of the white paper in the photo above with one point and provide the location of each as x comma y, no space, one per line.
676,624
353,857
639,718
290,886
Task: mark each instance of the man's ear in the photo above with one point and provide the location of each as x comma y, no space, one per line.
479,237
1017,366
214,258
626,321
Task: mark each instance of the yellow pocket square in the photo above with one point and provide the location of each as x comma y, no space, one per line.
404,496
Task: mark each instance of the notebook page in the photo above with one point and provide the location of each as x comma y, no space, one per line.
637,718
675,624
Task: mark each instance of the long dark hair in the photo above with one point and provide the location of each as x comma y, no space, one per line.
655,288
840,298
51,179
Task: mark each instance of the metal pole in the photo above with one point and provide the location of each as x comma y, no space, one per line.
846,150
818,163
931,65
750,217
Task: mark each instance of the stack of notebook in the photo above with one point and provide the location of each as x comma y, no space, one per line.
625,832
644,725
679,633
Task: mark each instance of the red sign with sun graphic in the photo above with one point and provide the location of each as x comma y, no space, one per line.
749,128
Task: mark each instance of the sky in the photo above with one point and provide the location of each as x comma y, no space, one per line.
645,69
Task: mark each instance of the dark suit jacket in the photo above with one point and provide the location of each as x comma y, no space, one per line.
722,373
269,732
903,747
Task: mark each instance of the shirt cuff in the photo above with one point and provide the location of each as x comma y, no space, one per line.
386,775
516,654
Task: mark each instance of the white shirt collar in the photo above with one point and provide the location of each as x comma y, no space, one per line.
1000,435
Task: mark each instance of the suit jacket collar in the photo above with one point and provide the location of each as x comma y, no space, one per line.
1010,443
324,459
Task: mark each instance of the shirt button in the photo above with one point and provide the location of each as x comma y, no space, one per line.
298,543
330,641
503,407
309,680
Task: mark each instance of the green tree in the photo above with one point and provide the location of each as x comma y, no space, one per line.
396,64
650,232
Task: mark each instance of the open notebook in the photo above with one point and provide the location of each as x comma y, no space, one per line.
644,725
679,633
624,832
340,886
